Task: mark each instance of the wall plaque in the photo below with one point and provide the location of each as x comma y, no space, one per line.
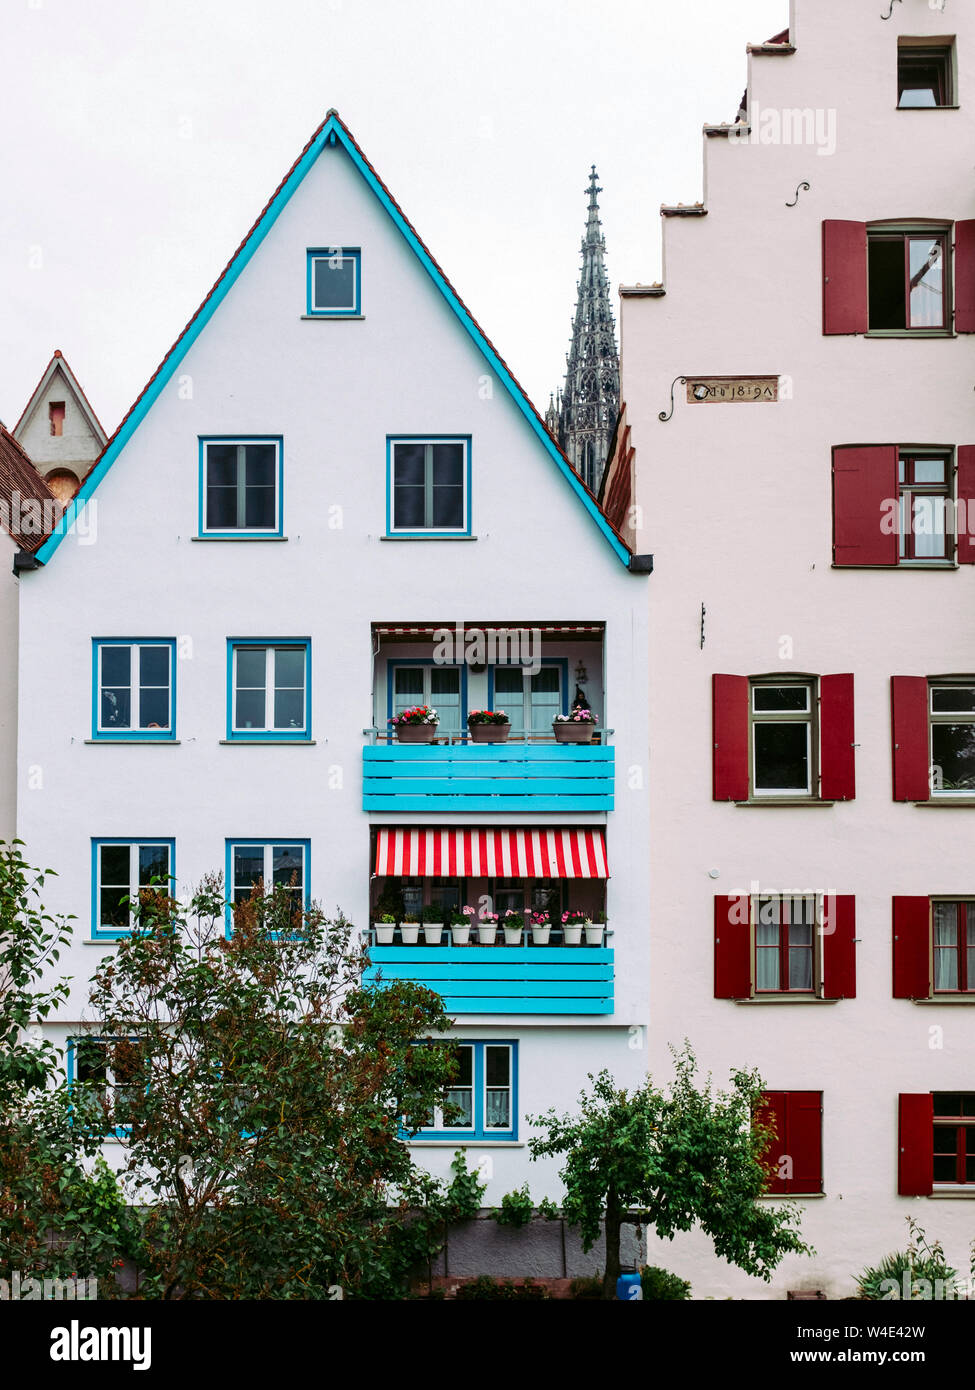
728,390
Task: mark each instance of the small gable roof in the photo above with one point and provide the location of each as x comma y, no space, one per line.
331,132
21,483
59,365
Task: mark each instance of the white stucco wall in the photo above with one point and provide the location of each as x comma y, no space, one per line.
737,511
333,390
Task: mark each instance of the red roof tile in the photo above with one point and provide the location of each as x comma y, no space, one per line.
20,484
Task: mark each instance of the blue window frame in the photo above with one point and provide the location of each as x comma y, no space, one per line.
283,861
485,1092
530,701
428,485
333,282
119,868
88,1063
133,688
422,681
241,482
268,688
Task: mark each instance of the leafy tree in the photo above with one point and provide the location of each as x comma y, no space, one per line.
259,1094
674,1160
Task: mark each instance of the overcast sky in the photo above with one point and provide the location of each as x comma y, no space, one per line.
142,137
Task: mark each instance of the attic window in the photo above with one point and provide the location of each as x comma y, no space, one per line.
333,282
924,75
55,413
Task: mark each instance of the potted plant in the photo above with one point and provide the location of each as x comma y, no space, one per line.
595,929
433,924
384,928
572,928
416,725
409,928
514,927
487,928
576,727
541,925
460,925
488,726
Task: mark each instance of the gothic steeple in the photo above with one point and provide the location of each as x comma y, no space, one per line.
589,402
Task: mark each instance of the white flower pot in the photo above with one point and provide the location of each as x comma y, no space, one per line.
486,932
433,933
594,933
572,935
410,933
513,935
384,933
540,935
461,935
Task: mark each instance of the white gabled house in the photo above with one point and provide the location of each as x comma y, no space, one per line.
327,503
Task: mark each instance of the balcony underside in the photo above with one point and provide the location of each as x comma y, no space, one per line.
488,778
503,979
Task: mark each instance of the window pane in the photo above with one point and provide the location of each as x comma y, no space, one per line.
221,508
153,863
497,1062
800,968
115,860
154,666
952,699
408,508
953,751
945,968
222,465
465,1066
116,665
334,283
154,709
448,507
919,84
498,1110
927,298
886,274
116,708
289,666
780,697
929,470
289,709
448,464
261,460
259,508
408,466
91,1061
407,687
546,698
929,528
767,968
288,866
946,1103
945,918
464,1101
944,1169
781,757
248,868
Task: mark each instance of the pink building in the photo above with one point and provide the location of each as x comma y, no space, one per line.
798,411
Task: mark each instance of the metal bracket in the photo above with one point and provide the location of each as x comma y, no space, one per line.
891,10
796,198
664,415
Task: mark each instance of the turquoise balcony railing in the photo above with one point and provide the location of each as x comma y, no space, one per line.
488,777
503,979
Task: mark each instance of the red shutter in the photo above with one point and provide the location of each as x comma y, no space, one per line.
865,505
964,276
732,948
844,277
839,950
915,1135
797,1118
965,481
909,732
837,775
730,730
912,948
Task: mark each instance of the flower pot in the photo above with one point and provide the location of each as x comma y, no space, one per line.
486,932
416,733
573,733
540,935
409,933
489,733
433,933
594,933
572,935
384,933
461,935
513,935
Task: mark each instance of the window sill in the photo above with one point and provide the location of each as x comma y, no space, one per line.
951,999
945,1194
275,742
951,106
332,318
433,536
103,940
244,536
942,803
125,742
464,1143
789,1196
787,999
909,333
784,801
948,566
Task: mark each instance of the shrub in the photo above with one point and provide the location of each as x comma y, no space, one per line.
587,1286
660,1284
486,1287
515,1209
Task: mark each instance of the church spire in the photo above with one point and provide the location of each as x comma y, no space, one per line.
589,402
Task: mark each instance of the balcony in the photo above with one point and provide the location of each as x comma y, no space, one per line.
503,979
488,777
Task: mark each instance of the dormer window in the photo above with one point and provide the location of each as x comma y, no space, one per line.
333,281
55,414
924,75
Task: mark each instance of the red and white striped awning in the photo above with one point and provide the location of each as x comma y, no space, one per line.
511,853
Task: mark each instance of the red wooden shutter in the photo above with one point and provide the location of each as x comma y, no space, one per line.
965,487
837,774
865,504
732,948
797,1117
839,950
909,732
964,275
912,948
845,277
730,729
915,1134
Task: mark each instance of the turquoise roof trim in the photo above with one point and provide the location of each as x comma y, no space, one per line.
332,132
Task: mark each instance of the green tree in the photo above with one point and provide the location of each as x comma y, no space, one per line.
672,1159
259,1095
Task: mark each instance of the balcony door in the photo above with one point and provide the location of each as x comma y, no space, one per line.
422,683
531,702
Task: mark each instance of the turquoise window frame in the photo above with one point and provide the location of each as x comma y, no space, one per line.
264,842
267,735
562,662
100,735
428,533
119,1131
241,533
394,662
479,1133
320,253
112,933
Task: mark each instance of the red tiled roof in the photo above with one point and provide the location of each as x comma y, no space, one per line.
20,482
